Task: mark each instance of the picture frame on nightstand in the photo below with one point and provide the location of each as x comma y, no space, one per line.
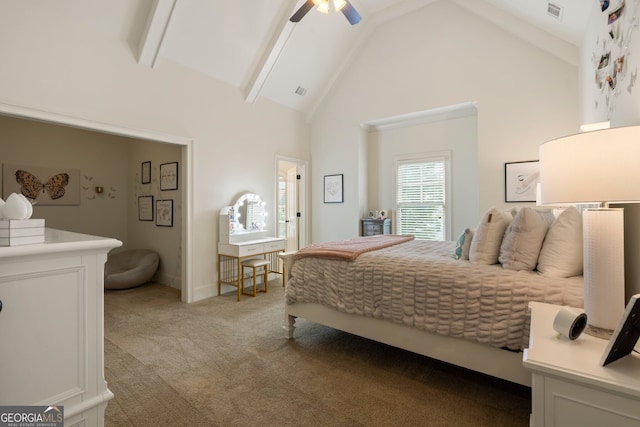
626,334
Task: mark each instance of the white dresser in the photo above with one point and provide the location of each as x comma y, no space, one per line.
52,325
569,387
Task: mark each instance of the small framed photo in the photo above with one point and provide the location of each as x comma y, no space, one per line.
145,208
521,180
333,191
145,172
164,213
169,176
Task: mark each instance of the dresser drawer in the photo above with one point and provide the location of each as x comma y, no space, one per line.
277,245
252,249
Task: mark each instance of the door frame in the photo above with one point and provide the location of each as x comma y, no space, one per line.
305,219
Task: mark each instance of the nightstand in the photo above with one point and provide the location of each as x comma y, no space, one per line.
569,387
371,226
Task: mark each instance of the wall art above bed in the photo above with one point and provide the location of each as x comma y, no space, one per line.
520,181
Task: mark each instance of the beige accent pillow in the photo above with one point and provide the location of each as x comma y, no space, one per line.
485,245
561,253
523,239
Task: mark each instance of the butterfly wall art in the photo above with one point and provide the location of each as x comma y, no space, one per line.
42,185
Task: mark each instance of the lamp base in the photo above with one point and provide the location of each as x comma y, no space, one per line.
598,332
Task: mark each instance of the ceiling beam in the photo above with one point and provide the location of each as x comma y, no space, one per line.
155,29
271,54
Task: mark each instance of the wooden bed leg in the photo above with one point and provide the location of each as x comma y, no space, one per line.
289,325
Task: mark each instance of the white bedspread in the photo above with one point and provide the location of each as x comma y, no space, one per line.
420,284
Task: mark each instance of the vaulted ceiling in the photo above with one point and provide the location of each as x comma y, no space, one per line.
251,44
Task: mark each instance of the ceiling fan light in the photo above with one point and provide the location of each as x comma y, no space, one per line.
323,7
339,4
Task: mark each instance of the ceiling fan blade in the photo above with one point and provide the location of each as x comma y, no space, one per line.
306,7
351,14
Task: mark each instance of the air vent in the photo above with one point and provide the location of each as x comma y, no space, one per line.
300,91
554,10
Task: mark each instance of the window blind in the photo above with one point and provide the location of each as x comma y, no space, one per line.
420,203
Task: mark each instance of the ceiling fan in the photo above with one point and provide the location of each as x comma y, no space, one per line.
323,6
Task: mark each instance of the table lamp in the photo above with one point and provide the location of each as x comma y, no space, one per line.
596,167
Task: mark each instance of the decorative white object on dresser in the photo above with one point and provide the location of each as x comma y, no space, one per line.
570,387
52,325
243,235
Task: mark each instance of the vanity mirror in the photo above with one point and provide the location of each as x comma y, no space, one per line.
248,214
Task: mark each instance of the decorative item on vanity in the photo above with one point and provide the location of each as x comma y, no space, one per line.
596,167
16,227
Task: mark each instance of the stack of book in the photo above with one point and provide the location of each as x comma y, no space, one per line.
14,232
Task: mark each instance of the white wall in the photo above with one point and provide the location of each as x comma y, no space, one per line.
457,135
51,62
599,102
438,56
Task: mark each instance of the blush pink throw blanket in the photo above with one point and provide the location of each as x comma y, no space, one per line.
349,250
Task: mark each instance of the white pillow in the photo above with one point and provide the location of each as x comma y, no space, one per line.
485,246
561,253
463,244
523,239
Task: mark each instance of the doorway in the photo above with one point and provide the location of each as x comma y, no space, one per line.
291,199
188,292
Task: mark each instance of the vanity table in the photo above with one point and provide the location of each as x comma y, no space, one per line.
243,235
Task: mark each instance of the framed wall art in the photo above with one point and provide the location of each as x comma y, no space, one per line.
145,173
169,176
145,208
333,191
42,185
520,181
164,213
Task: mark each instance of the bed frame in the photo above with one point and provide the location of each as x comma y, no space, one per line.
476,356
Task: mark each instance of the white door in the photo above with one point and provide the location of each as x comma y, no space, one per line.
291,202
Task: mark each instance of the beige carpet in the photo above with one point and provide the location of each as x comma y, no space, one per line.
225,363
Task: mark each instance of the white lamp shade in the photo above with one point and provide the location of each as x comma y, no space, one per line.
592,167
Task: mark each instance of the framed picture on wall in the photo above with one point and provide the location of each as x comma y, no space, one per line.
164,213
333,189
169,176
145,208
521,180
145,173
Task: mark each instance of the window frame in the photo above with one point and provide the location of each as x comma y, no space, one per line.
426,157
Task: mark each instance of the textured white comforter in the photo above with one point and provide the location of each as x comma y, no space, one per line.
420,284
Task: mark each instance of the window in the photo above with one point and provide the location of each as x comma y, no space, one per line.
421,196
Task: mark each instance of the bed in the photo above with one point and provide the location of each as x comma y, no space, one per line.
416,296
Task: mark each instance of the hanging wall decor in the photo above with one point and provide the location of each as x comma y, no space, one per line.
169,176
520,181
333,191
42,185
145,173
